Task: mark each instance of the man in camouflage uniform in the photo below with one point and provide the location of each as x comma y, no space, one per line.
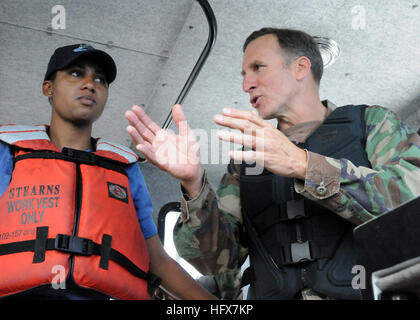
325,171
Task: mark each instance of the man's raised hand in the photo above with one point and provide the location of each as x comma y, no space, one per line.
177,154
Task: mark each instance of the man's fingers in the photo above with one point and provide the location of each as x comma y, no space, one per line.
180,120
138,126
144,118
144,147
178,113
249,156
254,141
241,120
148,152
134,134
251,116
233,123
238,156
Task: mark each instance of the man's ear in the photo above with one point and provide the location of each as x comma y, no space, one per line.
47,88
302,68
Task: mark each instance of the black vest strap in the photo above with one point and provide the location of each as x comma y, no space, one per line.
76,156
105,251
80,246
40,244
290,211
302,251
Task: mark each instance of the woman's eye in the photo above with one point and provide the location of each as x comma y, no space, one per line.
100,80
75,73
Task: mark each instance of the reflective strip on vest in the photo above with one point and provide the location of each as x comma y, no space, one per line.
123,151
14,133
20,135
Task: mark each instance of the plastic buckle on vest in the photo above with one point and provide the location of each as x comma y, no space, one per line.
82,156
73,244
301,252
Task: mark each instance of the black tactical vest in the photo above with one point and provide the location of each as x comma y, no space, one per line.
293,242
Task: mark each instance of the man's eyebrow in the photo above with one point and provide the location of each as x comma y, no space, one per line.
243,71
251,64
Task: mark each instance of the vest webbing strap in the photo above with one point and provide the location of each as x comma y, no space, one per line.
295,253
76,156
80,246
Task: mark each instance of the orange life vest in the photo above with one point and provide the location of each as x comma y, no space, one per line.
71,211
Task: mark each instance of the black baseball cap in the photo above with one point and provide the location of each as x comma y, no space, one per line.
64,56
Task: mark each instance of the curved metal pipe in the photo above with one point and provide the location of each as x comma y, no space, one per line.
170,206
211,19
201,60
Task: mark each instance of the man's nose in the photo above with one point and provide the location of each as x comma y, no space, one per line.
248,83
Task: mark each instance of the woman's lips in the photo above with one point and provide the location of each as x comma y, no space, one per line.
87,100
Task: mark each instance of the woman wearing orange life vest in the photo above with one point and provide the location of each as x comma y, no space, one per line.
76,202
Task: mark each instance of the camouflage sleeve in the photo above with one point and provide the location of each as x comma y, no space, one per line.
207,232
360,193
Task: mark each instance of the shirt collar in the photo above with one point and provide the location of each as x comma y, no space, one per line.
300,132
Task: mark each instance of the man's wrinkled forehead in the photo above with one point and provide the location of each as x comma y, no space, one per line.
259,50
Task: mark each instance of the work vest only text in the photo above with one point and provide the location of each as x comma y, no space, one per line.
31,201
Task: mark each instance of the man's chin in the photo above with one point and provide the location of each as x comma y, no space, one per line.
264,115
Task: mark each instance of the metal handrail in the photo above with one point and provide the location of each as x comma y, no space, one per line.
170,206
211,19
